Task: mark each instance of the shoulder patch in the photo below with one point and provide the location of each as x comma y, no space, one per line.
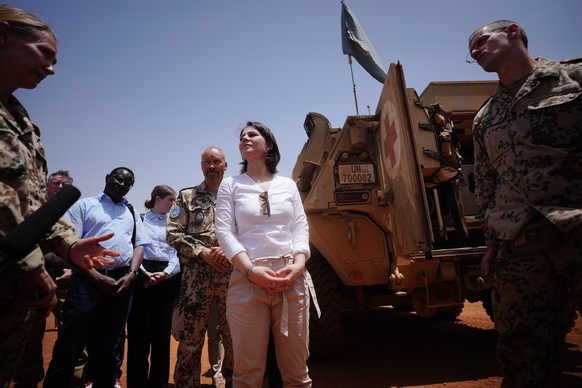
199,216
175,212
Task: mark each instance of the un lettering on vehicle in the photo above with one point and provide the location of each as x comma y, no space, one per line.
356,173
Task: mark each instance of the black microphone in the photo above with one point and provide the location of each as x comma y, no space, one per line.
21,240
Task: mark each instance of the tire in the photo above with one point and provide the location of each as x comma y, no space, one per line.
324,332
418,298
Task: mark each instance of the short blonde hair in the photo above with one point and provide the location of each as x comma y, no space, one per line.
23,22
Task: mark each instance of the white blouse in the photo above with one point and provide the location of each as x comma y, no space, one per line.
240,226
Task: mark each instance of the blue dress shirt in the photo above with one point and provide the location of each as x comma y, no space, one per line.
159,250
94,216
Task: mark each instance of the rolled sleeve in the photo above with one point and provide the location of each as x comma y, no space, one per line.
226,221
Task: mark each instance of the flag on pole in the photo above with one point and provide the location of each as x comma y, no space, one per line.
355,43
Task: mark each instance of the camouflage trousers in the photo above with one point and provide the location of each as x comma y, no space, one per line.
15,325
30,371
531,295
202,288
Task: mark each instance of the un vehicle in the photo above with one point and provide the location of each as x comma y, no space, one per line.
390,202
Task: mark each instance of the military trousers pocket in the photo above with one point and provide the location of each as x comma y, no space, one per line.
537,237
178,323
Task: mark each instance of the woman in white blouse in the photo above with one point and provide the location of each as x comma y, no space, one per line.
262,228
150,317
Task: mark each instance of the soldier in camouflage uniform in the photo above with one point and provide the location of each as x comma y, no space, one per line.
528,167
205,273
31,369
28,52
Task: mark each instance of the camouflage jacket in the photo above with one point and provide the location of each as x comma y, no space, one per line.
528,152
191,222
23,182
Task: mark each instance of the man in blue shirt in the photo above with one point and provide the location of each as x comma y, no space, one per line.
98,301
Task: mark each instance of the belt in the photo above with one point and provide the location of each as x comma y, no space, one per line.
154,265
114,273
270,261
155,261
288,259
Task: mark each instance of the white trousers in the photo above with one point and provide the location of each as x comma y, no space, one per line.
251,312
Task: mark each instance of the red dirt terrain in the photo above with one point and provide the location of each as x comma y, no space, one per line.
390,348
400,349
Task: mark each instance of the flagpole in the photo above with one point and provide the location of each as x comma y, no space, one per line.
354,85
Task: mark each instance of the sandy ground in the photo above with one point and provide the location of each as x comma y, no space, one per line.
389,348
399,349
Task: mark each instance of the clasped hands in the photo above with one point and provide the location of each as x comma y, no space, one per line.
154,278
275,281
216,258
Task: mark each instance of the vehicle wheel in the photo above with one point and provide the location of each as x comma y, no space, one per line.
418,298
419,306
324,332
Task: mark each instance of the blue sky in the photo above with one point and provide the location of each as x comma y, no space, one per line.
148,84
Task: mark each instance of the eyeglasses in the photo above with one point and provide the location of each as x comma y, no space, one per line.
59,183
469,58
264,202
480,43
122,182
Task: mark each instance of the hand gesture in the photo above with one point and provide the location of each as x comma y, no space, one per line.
87,253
